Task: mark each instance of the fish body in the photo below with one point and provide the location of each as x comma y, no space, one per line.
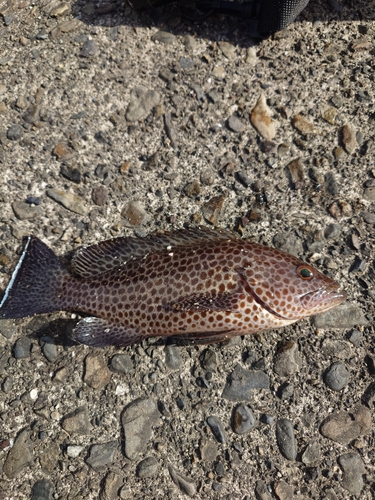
195,284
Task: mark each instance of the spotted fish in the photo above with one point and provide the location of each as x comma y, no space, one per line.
200,285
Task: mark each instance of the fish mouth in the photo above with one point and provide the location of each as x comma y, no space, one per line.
324,298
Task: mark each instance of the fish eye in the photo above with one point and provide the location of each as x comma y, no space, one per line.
305,273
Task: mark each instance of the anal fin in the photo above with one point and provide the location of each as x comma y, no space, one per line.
98,332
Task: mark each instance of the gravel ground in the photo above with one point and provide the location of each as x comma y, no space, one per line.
113,123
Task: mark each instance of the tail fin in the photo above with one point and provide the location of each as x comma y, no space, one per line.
36,285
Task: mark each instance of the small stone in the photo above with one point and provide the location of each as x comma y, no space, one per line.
71,173
163,37
344,316
219,73
348,137
49,457
186,63
70,201
122,363
14,133
99,195
7,385
73,451
111,486
148,467
243,419
21,348
96,373
332,231
192,189
213,208
137,421
296,169
101,455
337,376
134,213
50,351
329,114
42,490
368,397
241,382
185,484
60,150
288,242
173,358
261,119
336,349
353,470
287,359
60,10
285,391
283,491
209,360
369,193
61,375
345,426
77,421
303,126
19,456
217,429
312,453
89,49
142,101
235,124
251,56
368,217
208,451
227,49
261,491
285,438
24,211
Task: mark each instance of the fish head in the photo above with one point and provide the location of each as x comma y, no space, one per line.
289,288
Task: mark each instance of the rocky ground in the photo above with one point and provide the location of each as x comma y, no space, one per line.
114,123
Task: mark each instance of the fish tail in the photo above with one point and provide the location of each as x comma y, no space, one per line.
37,283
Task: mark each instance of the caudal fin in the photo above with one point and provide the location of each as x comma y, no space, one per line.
36,285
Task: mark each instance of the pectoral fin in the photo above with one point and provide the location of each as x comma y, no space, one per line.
98,332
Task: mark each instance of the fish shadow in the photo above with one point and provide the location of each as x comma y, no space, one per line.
56,332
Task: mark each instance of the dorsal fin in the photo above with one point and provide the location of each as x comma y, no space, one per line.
111,254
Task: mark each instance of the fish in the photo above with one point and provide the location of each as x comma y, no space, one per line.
197,285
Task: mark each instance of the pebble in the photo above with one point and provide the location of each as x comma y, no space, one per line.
213,208
217,429
303,126
148,467
89,49
187,64
261,119
111,486
251,56
328,114
192,189
332,231
77,421
312,453
21,348
340,208
219,73
261,491
337,376
353,470
283,491
241,382
142,101
345,426
346,315
19,456
49,457
24,211
122,363
227,49
101,455
208,451
235,124
285,391
243,419
288,243
336,348
348,137
369,193
296,169
287,360
74,450
368,397
96,373
70,201
60,10
163,37
173,358
368,217
14,133
208,359
42,490
285,438
61,150
134,213
185,484
7,384
137,421
99,195
50,351
71,173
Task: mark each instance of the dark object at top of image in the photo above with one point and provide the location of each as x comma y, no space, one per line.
265,16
